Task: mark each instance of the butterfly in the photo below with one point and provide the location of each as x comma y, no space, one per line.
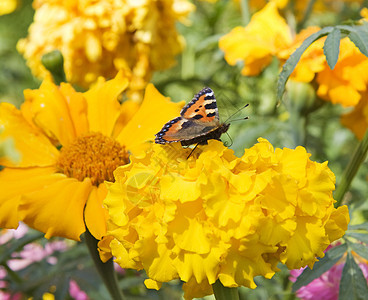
198,122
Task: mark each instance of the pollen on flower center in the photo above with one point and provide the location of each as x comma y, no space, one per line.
92,155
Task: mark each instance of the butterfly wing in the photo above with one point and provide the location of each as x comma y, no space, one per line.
202,108
198,118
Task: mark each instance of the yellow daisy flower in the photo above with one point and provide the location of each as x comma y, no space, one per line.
70,143
98,38
215,216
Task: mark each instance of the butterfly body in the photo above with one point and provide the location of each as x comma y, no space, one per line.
198,122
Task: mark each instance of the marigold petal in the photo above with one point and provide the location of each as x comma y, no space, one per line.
152,284
154,111
338,222
35,148
95,215
48,109
57,208
17,182
103,104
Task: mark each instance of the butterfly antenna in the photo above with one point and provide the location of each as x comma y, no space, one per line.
246,105
192,150
241,119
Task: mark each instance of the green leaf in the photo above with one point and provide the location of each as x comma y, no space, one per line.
294,58
331,48
360,249
359,36
353,285
363,237
320,267
362,226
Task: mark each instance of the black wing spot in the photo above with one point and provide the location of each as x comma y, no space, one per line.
197,117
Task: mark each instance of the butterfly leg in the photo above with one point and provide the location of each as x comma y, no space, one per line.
193,150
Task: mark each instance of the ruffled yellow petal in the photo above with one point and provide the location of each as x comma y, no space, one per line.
16,182
95,215
57,208
214,216
34,147
155,111
103,104
48,109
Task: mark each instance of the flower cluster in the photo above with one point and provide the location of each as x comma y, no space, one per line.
70,143
268,35
98,38
215,216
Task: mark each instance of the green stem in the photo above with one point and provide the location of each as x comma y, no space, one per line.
352,168
307,14
106,270
224,293
244,6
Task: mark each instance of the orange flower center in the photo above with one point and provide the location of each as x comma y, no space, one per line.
92,155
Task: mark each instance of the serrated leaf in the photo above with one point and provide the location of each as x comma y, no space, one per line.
359,36
320,267
331,48
363,237
353,284
360,249
294,58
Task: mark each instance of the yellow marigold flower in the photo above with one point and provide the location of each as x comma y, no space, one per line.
357,119
8,6
344,84
258,42
312,60
70,143
98,38
216,216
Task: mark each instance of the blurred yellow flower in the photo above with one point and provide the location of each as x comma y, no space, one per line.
357,119
345,83
216,216
98,38
258,42
70,143
312,60
7,6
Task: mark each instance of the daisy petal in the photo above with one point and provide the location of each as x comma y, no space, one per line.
16,182
155,111
103,104
95,214
35,148
57,209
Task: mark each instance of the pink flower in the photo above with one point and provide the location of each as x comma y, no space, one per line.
7,234
75,292
325,287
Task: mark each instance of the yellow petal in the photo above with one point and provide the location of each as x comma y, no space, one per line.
152,284
57,209
103,104
16,182
95,214
77,107
47,108
35,148
154,112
